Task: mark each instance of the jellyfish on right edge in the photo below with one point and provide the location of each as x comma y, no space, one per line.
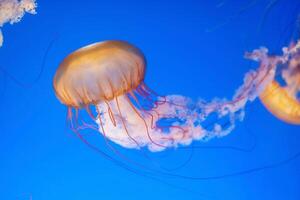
284,101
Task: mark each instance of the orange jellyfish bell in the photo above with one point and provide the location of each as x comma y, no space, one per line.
99,72
283,101
277,100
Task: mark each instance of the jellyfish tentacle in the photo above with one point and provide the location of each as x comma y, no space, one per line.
110,114
157,102
88,110
137,143
124,125
118,153
41,70
107,156
153,125
70,117
161,127
145,123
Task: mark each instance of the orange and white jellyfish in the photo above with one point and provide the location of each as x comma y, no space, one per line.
108,77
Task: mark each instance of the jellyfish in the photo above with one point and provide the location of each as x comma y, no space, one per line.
110,76
283,101
107,79
12,11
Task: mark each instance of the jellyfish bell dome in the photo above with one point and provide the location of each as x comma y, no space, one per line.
99,72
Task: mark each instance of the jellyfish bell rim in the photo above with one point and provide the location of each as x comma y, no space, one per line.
133,53
85,105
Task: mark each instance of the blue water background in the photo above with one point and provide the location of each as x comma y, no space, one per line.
193,48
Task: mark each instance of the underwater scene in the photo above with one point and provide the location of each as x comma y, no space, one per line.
150,100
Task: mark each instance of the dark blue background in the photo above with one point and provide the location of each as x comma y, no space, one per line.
193,48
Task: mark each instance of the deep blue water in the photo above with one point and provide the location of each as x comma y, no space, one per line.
193,48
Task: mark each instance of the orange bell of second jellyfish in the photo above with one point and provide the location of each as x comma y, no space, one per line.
280,103
283,101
